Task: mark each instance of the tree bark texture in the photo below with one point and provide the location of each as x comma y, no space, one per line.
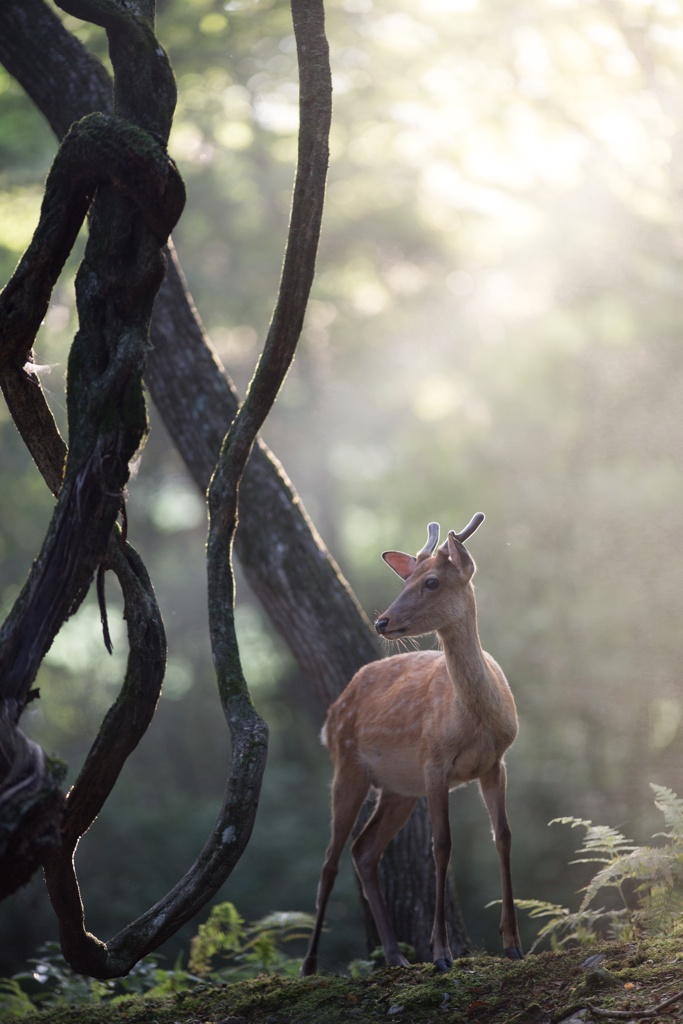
106,411
284,559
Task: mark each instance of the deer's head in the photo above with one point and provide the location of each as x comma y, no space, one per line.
437,591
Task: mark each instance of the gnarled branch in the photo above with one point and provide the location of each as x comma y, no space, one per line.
248,732
90,395
115,287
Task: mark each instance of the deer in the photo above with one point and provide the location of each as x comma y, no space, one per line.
420,724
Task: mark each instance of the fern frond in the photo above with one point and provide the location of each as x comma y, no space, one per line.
14,1002
579,926
646,864
571,821
622,926
661,910
539,908
658,872
671,807
283,920
601,843
605,840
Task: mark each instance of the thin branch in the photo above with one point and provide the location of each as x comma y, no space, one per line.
637,1014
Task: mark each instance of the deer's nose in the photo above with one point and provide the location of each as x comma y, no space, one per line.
381,625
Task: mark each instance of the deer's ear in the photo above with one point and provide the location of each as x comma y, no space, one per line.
460,557
401,563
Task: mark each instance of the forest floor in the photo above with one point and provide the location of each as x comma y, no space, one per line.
599,983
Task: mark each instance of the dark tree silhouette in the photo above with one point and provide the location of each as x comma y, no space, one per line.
116,166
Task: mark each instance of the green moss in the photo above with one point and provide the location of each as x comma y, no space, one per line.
483,989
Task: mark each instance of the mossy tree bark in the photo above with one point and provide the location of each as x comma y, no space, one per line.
285,561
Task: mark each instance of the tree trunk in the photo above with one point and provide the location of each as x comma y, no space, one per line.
284,559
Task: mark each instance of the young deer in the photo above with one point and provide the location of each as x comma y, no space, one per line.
421,724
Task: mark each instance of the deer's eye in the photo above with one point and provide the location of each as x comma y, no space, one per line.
431,583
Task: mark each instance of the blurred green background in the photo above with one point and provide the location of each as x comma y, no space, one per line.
495,324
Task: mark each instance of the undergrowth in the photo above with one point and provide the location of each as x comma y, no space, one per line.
244,951
648,882
545,988
241,973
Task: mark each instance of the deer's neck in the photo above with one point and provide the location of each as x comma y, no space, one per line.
474,682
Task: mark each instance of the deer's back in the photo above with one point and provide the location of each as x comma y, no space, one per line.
403,713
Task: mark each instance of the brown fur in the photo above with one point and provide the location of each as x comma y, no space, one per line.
420,724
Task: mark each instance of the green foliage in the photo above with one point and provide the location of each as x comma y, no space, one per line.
60,984
539,988
254,949
648,881
361,968
13,1000
51,983
578,927
166,983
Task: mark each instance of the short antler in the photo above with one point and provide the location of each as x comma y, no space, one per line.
474,524
432,540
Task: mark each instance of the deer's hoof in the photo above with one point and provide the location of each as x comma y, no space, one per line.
397,960
514,953
309,967
442,964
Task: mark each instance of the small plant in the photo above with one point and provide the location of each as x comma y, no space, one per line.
13,1000
254,948
58,982
656,872
361,968
62,986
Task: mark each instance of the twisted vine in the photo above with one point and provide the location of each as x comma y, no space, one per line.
121,160
131,175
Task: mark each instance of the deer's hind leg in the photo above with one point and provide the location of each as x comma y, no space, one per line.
437,802
390,815
348,794
493,791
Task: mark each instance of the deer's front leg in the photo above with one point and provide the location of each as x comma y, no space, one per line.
437,802
493,791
